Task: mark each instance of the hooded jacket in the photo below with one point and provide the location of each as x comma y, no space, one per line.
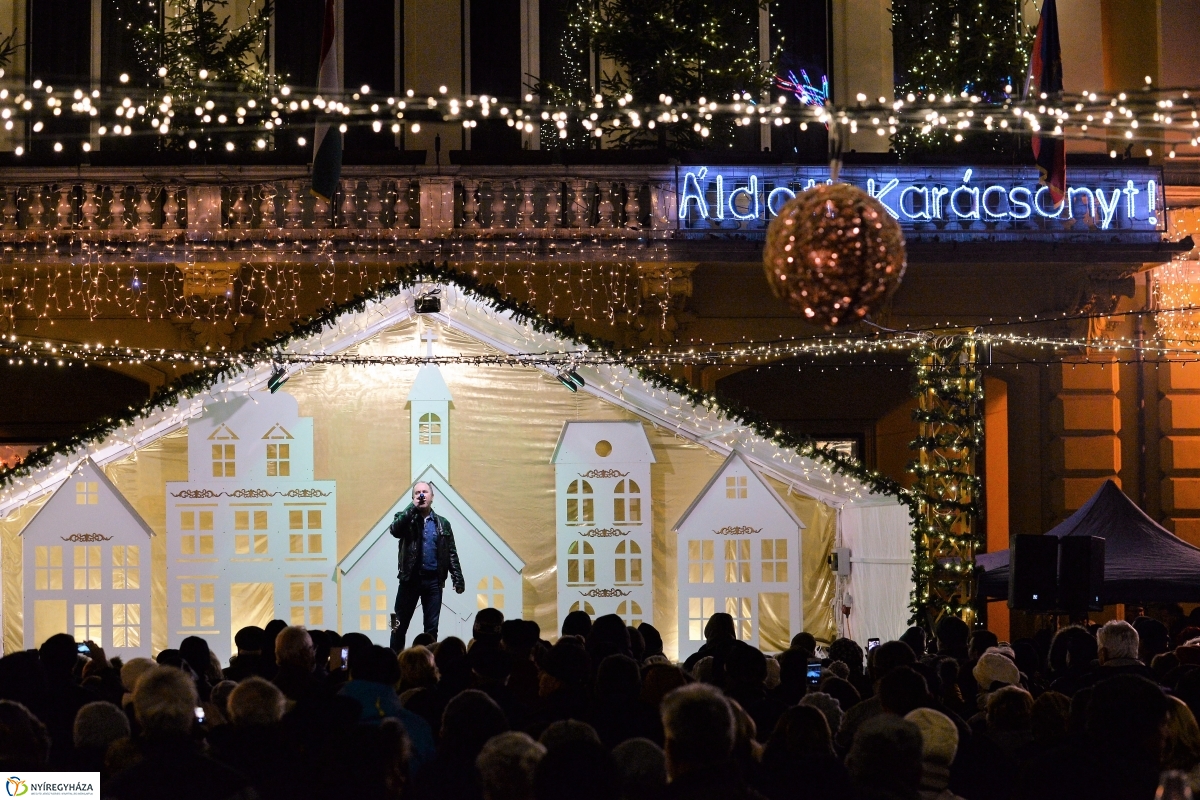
408,526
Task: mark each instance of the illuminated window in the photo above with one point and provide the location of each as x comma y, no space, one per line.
87,623
493,598
297,541
127,625
198,610
580,510
774,560
574,550
372,600
242,542
699,610
739,609
224,462
187,520
87,566
314,519
700,561
307,592
126,562
87,493
737,561
296,519
628,564
630,612
242,519
586,607
429,429
47,574
627,505
279,460
735,487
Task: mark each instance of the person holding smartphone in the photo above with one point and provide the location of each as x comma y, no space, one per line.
427,556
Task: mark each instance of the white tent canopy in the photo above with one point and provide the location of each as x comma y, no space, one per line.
875,527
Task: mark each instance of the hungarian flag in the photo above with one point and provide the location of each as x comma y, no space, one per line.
327,141
1045,77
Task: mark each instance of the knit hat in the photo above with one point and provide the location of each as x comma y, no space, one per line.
828,705
939,736
993,667
99,724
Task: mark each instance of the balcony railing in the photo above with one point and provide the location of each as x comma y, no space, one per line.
228,204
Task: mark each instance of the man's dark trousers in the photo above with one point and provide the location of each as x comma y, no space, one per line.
428,589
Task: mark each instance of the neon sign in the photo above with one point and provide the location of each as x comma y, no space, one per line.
932,199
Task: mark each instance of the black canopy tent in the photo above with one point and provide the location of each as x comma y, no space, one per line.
1143,561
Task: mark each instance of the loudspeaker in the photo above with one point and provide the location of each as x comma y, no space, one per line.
1080,573
1033,572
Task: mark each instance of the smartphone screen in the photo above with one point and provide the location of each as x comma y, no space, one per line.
199,715
84,649
872,644
814,672
345,658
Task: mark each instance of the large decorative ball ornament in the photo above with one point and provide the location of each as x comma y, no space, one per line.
834,253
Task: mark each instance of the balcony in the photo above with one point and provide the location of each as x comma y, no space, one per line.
265,213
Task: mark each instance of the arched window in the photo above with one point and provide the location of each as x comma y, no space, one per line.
574,551
493,598
372,600
586,606
631,612
580,510
627,503
429,429
628,564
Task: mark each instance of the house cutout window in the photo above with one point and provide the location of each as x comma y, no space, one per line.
242,544
699,610
87,493
586,607
190,545
307,592
628,564
224,461
298,520
627,505
372,600
198,610
47,574
735,487
739,609
127,625
580,510
126,560
279,460
574,551
242,519
493,598
88,626
87,566
700,561
429,429
630,612
737,561
774,561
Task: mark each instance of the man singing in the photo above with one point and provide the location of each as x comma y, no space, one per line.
427,554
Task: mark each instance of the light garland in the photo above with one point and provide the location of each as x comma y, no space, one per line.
121,111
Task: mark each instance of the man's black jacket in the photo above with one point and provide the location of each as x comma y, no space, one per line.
408,526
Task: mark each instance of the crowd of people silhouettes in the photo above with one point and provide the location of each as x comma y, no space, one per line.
603,714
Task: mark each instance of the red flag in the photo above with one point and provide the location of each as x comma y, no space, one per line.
1045,77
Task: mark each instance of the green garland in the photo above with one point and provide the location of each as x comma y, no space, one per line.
947,377
408,276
